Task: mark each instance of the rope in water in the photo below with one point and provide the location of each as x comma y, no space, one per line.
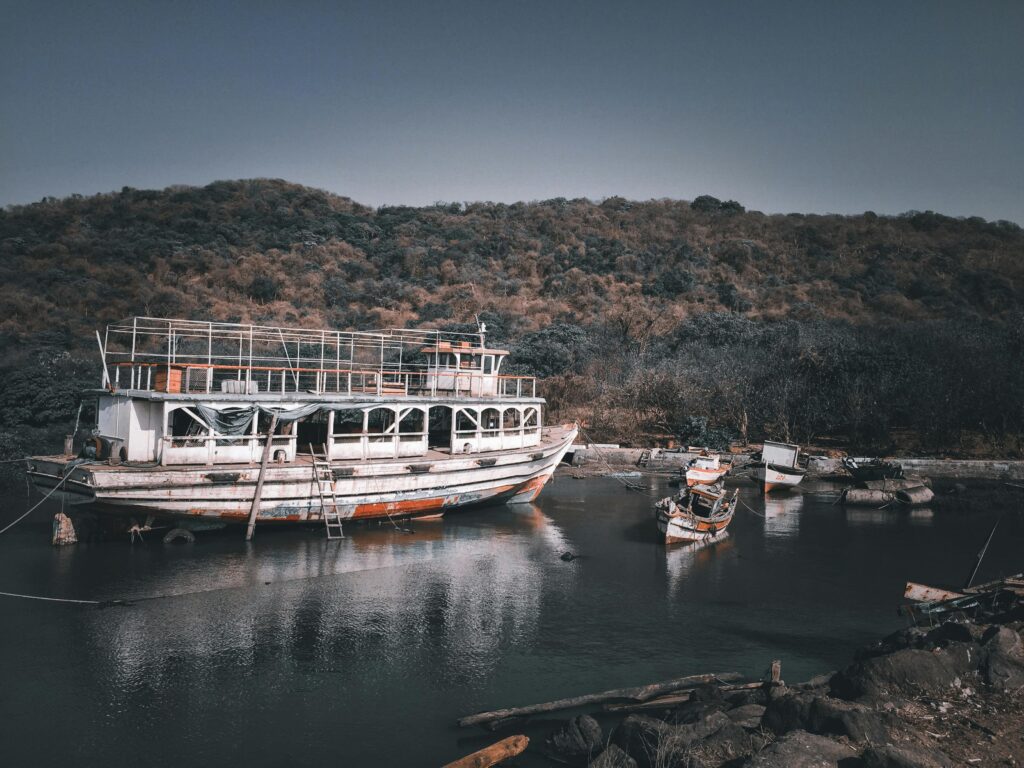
608,466
52,599
34,507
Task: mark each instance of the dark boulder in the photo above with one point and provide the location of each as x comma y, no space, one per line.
801,749
896,757
703,701
639,736
613,757
747,716
911,637
1002,663
749,696
824,715
580,738
907,672
729,743
653,742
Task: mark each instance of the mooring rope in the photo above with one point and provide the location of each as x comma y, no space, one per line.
68,470
34,507
52,599
611,470
751,509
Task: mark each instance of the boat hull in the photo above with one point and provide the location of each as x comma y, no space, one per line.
688,529
772,478
365,490
699,476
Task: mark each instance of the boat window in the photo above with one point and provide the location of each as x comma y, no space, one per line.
183,425
465,421
511,419
412,422
530,418
488,363
490,421
380,421
348,422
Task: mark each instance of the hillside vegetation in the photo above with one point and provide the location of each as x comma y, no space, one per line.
699,320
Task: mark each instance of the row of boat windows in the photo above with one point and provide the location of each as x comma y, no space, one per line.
382,421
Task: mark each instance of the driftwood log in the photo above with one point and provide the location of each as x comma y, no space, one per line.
673,699
640,693
493,754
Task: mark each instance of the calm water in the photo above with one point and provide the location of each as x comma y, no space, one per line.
293,650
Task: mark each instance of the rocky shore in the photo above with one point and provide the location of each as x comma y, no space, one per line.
920,698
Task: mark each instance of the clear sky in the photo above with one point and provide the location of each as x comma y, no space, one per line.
784,106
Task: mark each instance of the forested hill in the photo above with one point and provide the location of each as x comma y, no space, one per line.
617,293
268,250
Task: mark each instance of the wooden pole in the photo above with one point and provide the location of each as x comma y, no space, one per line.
259,481
641,693
494,754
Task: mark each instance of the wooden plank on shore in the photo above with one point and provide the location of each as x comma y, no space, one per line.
493,754
640,693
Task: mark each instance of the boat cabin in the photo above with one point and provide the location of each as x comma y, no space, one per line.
179,392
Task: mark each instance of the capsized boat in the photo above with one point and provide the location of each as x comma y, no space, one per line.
706,469
206,422
777,466
696,514
868,469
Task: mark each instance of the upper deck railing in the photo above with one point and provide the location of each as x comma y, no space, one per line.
197,357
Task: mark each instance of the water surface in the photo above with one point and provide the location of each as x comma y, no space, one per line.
292,650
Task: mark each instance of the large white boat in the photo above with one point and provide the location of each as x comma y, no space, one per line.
205,421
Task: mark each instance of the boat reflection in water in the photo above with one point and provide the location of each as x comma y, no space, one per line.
873,517
782,514
686,561
922,516
378,593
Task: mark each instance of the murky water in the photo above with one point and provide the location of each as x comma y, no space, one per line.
293,650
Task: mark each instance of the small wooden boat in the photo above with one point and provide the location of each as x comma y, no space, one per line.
777,466
696,514
706,469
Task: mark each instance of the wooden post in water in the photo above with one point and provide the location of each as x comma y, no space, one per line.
259,481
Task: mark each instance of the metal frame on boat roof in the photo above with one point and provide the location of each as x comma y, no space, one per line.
166,354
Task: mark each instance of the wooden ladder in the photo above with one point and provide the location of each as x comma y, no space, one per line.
328,492
644,459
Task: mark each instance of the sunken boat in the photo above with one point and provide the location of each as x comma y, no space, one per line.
207,422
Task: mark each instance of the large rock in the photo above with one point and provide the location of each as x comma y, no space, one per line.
1002,663
727,744
800,749
613,757
580,738
639,736
908,672
896,757
703,701
824,715
653,742
747,716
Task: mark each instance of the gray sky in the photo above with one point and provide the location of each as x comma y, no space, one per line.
816,106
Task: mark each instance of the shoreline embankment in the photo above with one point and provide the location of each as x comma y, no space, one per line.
818,466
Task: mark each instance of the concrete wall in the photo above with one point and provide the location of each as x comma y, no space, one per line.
977,469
